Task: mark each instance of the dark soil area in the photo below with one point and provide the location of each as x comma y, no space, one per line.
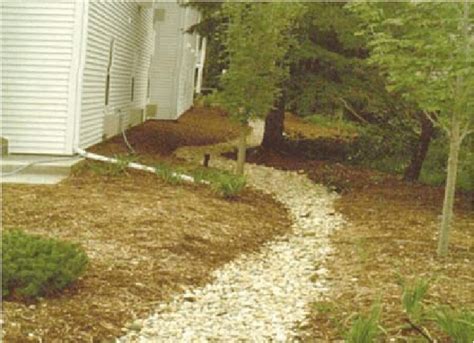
198,126
147,240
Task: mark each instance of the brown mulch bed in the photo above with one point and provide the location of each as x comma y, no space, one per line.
198,126
392,233
147,240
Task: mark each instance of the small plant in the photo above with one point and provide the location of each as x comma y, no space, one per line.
113,169
34,266
412,297
457,324
228,185
323,307
168,174
365,328
223,183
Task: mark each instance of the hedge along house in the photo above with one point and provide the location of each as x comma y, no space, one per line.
77,72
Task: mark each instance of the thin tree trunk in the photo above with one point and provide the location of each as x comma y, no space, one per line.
412,172
455,140
450,188
274,125
242,149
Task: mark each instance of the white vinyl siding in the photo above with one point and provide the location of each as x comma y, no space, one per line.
172,70
37,62
130,26
189,56
165,60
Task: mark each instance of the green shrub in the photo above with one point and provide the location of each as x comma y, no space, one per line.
381,149
365,328
223,183
229,186
168,173
434,167
457,324
34,266
412,297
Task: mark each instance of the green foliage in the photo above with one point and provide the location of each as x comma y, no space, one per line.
256,44
332,122
223,183
434,168
365,328
168,173
329,69
112,169
380,148
457,324
229,186
208,101
425,50
34,266
412,297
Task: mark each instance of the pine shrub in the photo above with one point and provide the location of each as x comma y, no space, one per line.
34,266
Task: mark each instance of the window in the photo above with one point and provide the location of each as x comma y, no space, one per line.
109,67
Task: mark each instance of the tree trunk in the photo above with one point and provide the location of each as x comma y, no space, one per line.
455,139
450,188
242,149
274,124
412,173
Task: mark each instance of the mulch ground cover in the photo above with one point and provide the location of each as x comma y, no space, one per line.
147,240
391,235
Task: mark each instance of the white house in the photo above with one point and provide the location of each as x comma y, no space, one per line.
76,72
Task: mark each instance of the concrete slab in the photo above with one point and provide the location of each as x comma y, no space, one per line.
36,169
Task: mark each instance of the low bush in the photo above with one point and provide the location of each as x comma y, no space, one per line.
228,185
365,328
223,183
434,167
412,297
34,266
457,324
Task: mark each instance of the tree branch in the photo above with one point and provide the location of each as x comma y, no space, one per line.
466,132
358,116
420,330
433,118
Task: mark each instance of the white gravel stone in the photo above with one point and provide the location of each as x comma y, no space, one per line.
262,296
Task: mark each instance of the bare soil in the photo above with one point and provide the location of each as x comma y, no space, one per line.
147,240
392,234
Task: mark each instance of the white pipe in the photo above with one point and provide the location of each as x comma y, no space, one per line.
132,165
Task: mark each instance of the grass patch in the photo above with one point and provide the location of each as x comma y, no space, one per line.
223,183
112,169
34,266
365,328
332,122
457,324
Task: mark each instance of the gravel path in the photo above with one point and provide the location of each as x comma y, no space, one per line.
262,296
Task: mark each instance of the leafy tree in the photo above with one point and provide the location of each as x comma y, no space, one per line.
426,52
256,45
329,74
